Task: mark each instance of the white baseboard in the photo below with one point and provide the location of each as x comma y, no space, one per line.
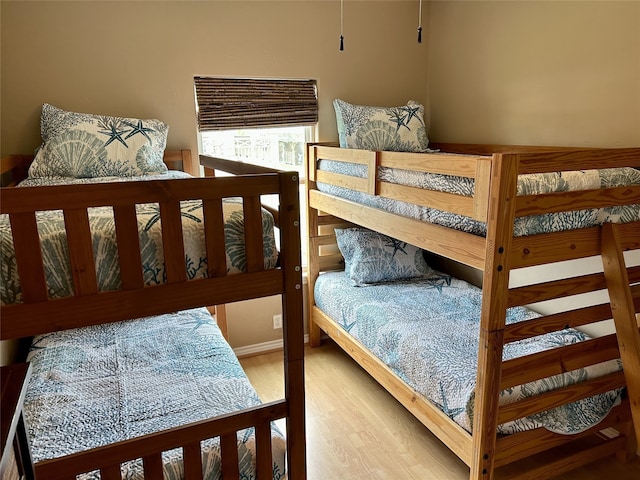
264,347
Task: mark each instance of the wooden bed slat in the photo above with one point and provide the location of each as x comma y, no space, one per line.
449,202
229,452
546,363
530,442
439,163
561,288
560,396
62,197
344,181
576,200
192,458
73,312
83,266
153,465
264,462
557,321
571,318
129,255
362,157
569,245
556,159
253,237
111,472
482,189
26,245
179,160
214,238
173,242
14,169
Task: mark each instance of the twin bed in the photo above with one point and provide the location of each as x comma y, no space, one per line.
496,381
130,375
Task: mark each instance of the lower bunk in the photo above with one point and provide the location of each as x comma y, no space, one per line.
127,379
114,383
419,341
425,331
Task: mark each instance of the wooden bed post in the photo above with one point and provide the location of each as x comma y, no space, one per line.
492,321
313,262
293,333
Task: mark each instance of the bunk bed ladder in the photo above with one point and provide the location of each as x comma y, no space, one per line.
624,316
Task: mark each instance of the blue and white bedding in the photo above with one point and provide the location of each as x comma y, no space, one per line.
532,184
427,332
55,249
97,385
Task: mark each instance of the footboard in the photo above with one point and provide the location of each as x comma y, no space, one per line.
539,269
108,460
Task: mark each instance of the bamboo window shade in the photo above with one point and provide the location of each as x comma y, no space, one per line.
234,103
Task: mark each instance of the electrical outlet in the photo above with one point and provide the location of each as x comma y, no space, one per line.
277,321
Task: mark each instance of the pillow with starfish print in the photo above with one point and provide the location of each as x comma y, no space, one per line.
371,257
83,145
397,129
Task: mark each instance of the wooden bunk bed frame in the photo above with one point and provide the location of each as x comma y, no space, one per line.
39,314
495,170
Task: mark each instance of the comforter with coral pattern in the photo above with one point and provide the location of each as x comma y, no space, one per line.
427,332
55,251
532,184
97,385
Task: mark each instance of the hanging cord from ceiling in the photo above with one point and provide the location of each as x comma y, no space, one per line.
341,24
420,23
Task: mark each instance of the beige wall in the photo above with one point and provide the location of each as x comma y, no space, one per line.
138,59
535,72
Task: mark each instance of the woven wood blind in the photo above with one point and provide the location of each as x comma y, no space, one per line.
232,103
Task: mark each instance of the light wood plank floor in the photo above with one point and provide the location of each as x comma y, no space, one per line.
356,430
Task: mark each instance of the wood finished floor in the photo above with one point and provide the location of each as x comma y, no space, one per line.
356,430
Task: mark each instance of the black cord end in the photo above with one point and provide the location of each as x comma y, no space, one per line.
341,43
419,34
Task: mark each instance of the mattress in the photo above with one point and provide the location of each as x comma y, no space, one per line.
531,184
427,332
101,384
55,250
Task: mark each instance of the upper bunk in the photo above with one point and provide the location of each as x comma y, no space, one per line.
217,222
538,204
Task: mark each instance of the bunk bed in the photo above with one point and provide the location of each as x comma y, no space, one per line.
523,407
173,396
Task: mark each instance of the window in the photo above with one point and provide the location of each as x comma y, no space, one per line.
278,147
259,121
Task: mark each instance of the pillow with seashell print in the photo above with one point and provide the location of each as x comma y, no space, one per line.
398,129
371,257
83,145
